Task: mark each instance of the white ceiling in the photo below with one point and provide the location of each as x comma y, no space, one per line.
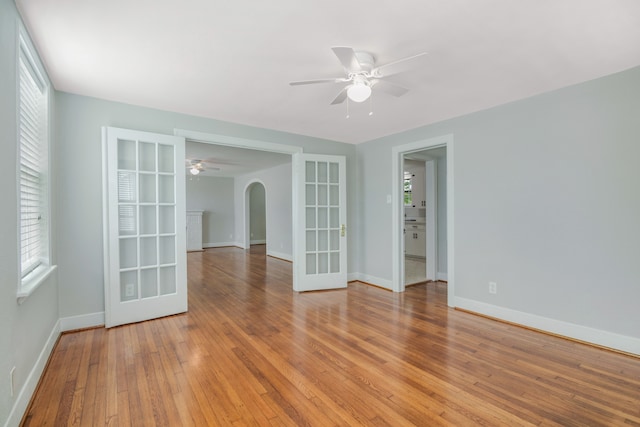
233,60
224,161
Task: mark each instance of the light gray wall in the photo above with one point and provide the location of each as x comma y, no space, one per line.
214,196
24,328
546,203
257,220
278,190
79,161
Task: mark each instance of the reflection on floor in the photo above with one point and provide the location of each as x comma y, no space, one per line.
415,270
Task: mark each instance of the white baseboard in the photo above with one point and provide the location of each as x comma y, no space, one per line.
258,242
218,244
24,395
383,283
441,276
569,330
81,322
281,255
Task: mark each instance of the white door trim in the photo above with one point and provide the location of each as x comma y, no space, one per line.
254,144
397,206
431,190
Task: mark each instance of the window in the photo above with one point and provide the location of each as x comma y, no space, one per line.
33,162
408,199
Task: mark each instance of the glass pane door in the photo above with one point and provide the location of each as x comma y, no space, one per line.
148,212
323,196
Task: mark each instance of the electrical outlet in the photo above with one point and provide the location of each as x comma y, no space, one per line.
11,379
493,288
129,290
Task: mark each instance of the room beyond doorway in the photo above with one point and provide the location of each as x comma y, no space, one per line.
398,211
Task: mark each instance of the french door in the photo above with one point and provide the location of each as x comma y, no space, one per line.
320,253
144,226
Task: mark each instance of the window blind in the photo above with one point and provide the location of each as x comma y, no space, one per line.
33,150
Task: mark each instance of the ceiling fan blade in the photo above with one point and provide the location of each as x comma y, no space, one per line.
341,97
311,82
347,57
400,66
390,88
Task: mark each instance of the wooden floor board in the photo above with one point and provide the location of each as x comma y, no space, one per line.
250,351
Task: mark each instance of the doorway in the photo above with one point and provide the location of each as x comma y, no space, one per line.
255,214
436,210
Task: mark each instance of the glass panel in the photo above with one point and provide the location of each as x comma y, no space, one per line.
148,220
165,158
126,186
311,218
322,172
311,241
334,175
128,285
322,217
167,250
335,262
147,157
322,195
310,172
323,243
148,251
334,220
334,195
311,263
334,240
147,188
165,189
127,220
126,154
167,219
323,263
167,280
128,253
149,283
311,195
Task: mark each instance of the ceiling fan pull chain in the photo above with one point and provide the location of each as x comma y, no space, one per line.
347,109
371,105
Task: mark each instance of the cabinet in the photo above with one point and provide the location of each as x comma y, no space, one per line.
194,230
415,240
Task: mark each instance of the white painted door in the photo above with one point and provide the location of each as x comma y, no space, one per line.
320,253
144,226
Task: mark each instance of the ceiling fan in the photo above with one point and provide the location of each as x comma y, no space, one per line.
196,166
362,75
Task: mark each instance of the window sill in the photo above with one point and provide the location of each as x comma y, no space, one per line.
33,281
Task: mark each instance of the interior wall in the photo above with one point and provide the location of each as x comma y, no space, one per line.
546,204
278,208
25,329
214,196
78,126
257,220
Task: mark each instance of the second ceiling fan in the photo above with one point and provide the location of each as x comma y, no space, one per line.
363,75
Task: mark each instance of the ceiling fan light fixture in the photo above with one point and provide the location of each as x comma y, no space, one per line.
359,91
194,171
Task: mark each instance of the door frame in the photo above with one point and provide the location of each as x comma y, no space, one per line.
256,144
246,220
397,207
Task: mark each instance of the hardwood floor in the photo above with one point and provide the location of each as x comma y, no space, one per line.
250,351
